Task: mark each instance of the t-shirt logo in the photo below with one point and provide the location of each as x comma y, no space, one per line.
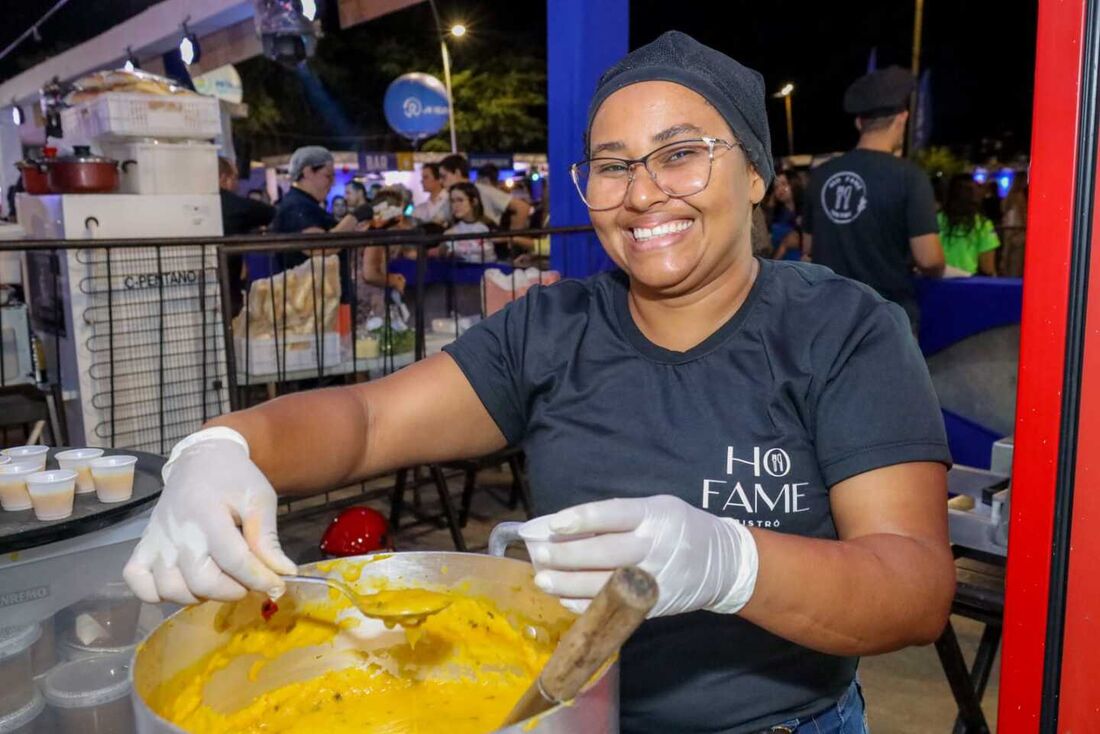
757,490
844,197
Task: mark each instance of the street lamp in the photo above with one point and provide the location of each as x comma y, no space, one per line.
785,93
458,31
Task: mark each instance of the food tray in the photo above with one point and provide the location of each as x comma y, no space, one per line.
20,530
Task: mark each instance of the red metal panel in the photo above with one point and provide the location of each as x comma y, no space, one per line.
1079,704
1042,360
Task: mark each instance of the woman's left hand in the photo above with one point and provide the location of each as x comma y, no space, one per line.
700,561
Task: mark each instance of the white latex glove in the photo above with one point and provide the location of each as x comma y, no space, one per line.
700,561
193,547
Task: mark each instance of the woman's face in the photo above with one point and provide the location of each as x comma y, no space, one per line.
783,190
460,206
716,221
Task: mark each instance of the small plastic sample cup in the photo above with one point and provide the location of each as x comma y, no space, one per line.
79,460
114,477
16,676
13,486
52,493
91,695
32,455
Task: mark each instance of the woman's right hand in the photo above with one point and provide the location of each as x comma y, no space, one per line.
212,534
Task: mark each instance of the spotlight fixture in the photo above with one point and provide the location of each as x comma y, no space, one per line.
17,114
190,50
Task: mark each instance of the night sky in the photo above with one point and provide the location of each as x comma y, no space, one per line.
980,52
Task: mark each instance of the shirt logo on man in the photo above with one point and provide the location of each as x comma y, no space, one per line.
756,490
844,197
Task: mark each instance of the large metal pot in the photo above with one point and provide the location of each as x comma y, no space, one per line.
83,173
35,180
189,635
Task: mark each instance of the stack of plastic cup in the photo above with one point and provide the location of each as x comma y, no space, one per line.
52,493
79,460
32,455
13,486
114,477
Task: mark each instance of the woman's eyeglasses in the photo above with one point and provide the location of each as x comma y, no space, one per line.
678,169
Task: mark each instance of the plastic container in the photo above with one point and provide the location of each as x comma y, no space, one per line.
107,619
121,115
52,493
13,486
25,720
44,649
113,477
91,696
32,455
158,167
294,352
79,460
70,649
4,459
16,673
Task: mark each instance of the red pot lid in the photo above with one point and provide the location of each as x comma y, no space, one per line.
355,531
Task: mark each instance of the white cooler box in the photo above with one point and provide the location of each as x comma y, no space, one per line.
121,115
157,167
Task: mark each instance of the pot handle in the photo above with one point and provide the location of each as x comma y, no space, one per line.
502,536
126,165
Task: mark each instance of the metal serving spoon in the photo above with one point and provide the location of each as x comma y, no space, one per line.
406,607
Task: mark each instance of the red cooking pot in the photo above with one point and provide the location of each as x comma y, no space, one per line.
82,173
35,180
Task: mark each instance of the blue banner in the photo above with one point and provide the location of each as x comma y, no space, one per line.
416,105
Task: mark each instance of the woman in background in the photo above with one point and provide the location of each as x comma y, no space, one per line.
469,216
786,219
969,239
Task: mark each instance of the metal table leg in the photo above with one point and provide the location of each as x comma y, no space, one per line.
958,677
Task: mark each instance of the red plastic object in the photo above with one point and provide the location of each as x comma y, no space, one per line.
355,531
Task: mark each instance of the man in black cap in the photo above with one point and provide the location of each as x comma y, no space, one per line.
870,215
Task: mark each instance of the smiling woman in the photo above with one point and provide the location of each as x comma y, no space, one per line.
761,436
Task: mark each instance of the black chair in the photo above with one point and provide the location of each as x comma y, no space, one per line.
520,492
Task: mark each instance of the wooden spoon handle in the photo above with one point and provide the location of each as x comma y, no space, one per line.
610,619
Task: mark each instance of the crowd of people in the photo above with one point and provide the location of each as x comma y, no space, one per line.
981,233
453,204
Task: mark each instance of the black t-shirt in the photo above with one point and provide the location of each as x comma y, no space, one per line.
813,380
861,209
298,211
241,215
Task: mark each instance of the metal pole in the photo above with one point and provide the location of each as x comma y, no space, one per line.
446,74
790,124
918,25
450,97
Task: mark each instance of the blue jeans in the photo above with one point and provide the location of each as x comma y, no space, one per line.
846,716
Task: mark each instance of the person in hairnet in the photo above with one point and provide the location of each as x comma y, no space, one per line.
871,215
761,436
302,210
